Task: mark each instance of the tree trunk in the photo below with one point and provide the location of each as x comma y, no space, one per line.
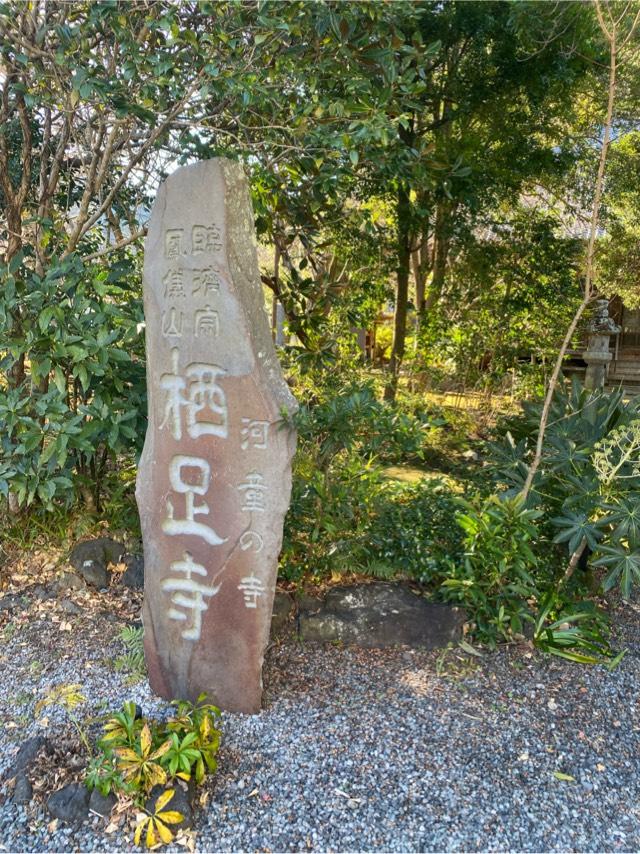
403,209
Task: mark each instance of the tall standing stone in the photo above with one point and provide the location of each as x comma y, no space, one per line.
214,479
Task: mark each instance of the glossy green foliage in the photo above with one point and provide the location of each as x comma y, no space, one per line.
345,514
136,754
499,577
84,401
588,484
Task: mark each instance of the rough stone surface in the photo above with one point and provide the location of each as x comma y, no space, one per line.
71,803
133,576
102,550
282,610
42,592
94,574
215,475
10,602
28,753
70,607
382,615
23,791
91,558
102,804
70,581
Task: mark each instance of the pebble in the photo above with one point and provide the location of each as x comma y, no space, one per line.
428,754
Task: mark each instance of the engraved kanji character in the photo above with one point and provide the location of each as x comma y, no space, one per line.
172,325
173,242
254,490
199,394
173,284
207,324
188,594
206,280
188,525
254,434
205,239
252,588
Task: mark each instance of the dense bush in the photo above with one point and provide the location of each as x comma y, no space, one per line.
345,515
83,402
588,483
522,556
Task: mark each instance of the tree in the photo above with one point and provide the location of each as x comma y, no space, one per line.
96,102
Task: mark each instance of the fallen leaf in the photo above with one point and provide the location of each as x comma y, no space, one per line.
53,825
601,767
253,793
566,778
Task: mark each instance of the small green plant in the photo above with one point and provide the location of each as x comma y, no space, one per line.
67,696
495,580
135,754
132,660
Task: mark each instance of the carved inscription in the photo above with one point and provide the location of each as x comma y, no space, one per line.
214,477
188,595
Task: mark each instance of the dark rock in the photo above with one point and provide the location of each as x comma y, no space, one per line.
71,803
70,581
41,592
10,602
133,576
70,607
382,615
94,574
181,802
282,610
91,558
27,755
104,550
22,792
308,604
102,804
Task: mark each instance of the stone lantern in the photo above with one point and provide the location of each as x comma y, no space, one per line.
597,355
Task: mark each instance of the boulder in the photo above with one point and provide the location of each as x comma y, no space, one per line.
70,607
23,791
102,804
133,576
70,804
10,602
382,615
282,610
27,755
90,559
69,581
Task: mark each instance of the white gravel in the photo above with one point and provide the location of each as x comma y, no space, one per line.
370,750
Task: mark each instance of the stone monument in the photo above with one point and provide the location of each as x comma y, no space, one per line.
598,355
214,478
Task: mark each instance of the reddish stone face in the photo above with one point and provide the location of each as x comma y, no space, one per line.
215,475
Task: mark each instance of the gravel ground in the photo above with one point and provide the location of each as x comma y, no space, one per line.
364,750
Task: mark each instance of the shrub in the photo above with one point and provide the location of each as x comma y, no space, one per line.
588,483
84,402
340,498
135,755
